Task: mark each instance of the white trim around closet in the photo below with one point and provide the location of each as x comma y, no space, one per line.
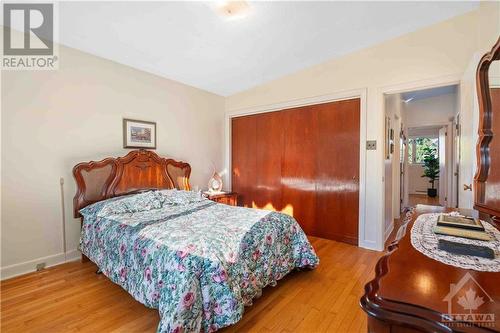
338,96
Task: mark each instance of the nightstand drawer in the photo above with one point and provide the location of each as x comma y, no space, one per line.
229,198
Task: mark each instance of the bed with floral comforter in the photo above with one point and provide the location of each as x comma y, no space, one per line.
199,262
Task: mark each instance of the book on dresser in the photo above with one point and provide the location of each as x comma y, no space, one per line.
460,226
462,222
466,249
464,233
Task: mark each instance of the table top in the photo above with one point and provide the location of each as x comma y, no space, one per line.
413,287
218,194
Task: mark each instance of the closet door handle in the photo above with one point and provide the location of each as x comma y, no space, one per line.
467,187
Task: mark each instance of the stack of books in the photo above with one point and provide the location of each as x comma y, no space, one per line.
461,226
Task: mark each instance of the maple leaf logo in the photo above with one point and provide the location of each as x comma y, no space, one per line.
470,301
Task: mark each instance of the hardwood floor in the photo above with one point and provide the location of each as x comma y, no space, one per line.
71,298
422,199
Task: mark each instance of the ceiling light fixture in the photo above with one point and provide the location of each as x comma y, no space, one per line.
232,9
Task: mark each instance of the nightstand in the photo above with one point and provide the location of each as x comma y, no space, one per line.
228,198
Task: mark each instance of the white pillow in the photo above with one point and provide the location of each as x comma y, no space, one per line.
180,197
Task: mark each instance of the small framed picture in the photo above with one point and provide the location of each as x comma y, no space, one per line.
139,134
387,145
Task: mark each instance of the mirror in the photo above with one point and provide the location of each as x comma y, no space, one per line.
487,178
494,83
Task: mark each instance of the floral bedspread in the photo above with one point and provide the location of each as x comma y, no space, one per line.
196,261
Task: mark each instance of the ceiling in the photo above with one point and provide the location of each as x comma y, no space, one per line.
428,93
189,42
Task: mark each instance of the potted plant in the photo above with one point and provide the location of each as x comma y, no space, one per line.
431,169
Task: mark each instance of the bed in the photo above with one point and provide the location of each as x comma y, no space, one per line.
198,262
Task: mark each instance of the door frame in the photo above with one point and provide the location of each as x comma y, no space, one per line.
396,168
435,82
450,157
456,127
338,96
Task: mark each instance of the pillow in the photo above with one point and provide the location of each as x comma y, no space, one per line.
180,197
96,207
145,201
127,204
136,203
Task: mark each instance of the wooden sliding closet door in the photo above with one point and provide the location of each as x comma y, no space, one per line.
302,161
298,171
337,173
244,163
268,153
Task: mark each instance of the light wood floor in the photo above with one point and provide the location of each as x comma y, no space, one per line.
71,298
422,199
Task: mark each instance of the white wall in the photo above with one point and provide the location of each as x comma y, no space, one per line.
488,34
468,133
489,24
52,120
439,51
416,183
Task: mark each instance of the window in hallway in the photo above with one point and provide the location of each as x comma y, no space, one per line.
417,149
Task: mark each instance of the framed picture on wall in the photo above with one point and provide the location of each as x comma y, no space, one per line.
391,141
139,134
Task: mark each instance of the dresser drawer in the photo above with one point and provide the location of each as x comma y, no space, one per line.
230,198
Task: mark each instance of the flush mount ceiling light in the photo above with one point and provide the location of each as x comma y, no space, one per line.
232,9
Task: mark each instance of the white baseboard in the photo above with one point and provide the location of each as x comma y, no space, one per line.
30,266
369,245
372,245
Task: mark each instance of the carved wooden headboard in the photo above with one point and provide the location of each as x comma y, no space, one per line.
138,170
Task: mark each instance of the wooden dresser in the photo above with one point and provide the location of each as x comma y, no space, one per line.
409,291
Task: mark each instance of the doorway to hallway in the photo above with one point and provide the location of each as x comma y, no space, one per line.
421,163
